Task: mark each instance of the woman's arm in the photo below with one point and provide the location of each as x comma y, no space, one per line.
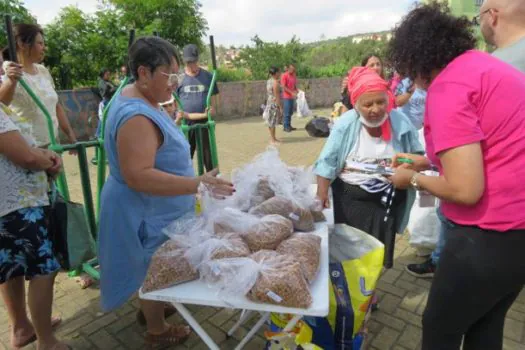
463,179
15,148
8,88
403,99
64,124
277,94
323,185
137,142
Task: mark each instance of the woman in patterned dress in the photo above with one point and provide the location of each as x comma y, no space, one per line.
273,111
26,250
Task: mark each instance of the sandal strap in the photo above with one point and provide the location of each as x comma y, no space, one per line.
174,335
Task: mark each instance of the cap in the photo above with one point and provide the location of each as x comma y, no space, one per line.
190,53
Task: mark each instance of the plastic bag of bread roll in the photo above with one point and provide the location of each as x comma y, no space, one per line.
263,192
301,218
168,267
268,233
306,248
280,281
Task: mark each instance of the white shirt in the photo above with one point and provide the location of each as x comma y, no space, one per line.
21,188
24,107
368,150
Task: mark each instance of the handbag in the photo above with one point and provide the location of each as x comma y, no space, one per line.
73,243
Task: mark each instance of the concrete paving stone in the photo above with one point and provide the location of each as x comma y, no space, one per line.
405,276
516,315
422,307
388,320
390,276
215,333
391,289
386,339
238,334
518,307
122,322
512,345
223,316
411,337
374,327
424,282
409,317
104,340
99,323
204,313
389,303
131,338
513,330
79,342
126,309
412,301
72,325
410,287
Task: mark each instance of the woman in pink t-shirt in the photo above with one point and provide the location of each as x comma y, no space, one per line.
475,136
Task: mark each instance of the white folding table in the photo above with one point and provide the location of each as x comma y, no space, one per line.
198,293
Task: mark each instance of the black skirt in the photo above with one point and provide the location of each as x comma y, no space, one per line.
367,212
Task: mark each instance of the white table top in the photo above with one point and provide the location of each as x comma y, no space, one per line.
198,292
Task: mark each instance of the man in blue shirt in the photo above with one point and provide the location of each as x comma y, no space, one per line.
193,91
410,100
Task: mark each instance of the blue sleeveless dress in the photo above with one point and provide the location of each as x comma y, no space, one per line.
131,222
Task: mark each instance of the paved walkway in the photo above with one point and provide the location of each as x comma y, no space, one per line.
396,326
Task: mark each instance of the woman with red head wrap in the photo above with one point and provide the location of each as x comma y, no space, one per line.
361,143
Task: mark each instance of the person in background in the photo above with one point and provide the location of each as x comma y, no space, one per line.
30,52
108,94
410,99
274,110
502,24
289,86
371,133
151,184
104,84
475,136
26,251
193,92
123,73
372,62
500,21
170,107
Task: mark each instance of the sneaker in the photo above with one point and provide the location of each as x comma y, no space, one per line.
287,130
423,270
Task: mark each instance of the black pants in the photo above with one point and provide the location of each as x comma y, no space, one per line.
480,274
206,149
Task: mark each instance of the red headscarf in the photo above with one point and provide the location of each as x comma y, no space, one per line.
362,80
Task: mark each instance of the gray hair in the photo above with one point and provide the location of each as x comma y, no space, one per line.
151,52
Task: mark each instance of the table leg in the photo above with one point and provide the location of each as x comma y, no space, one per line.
196,326
265,317
245,315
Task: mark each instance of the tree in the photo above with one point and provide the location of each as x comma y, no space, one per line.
19,14
181,22
263,55
80,45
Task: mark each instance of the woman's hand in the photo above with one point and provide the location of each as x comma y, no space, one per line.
219,188
14,71
324,199
418,163
56,168
401,178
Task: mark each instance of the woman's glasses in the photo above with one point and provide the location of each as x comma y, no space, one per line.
477,20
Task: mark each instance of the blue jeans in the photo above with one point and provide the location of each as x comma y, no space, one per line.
288,105
445,225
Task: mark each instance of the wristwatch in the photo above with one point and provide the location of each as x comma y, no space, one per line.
413,181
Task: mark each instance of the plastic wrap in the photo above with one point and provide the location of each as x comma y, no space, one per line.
229,245
306,248
168,267
280,281
301,218
268,233
232,220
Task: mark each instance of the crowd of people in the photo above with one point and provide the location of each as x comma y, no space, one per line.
449,107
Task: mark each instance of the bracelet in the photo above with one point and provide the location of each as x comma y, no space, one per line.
413,182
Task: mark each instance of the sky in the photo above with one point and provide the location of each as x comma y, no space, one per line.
234,22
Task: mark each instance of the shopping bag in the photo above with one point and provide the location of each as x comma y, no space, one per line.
73,243
318,127
424,227
298,338
356,262
302,106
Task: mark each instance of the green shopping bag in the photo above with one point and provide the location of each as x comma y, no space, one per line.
73,243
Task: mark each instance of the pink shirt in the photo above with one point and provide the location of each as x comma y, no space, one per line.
478,98
290,82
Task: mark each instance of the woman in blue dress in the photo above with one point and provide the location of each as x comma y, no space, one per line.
151,183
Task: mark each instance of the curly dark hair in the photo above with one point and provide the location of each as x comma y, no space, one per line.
427,39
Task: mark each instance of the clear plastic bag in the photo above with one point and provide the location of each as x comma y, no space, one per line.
226,246
233,278
268,233
306,248
301,218
232,220
280,281
168,267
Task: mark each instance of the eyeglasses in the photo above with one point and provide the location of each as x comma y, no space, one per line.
173,79
476,20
